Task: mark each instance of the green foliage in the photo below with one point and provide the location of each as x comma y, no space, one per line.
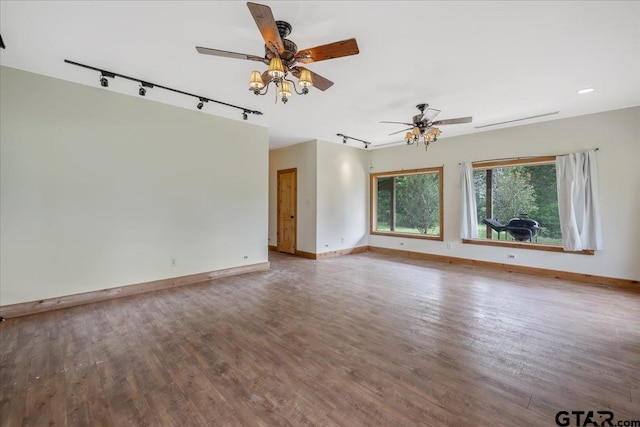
513,194
417,201
384,200
518,190
543,180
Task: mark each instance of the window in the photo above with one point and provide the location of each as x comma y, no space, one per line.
407,203
525,189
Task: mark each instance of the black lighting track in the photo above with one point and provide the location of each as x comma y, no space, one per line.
146,83
345,137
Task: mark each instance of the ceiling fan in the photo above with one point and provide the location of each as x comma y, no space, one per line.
422,125
282,56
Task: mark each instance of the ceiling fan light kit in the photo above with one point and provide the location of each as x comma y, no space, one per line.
282,56
423,127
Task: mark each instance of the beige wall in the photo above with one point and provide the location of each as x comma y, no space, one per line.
332,195
100,189
343,197
303,158
616,133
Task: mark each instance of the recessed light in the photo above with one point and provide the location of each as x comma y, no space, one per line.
586,90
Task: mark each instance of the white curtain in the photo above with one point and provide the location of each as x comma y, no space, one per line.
468,214
578,203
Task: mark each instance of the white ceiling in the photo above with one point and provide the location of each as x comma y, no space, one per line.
495,61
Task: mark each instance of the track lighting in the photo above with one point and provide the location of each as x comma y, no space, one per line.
345,137
142,90
103,78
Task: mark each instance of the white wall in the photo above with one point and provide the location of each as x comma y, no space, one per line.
616,133
101,190
343,197
303,157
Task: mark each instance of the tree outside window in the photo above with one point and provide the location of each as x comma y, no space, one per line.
511,191
408,203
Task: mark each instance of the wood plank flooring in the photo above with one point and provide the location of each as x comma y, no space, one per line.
359,340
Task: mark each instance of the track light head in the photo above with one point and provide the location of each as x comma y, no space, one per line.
201,103
143,88
103,78
244,115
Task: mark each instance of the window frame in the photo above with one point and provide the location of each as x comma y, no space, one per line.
373,200
529,161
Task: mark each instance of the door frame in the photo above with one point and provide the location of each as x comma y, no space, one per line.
295,209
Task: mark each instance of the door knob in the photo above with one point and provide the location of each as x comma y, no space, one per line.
291,216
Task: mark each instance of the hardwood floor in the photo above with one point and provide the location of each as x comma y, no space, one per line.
359,340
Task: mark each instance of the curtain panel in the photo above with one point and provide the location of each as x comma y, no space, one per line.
468,211
578,202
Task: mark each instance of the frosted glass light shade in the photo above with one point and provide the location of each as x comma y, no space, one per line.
285,89
276,69
255,82
305,79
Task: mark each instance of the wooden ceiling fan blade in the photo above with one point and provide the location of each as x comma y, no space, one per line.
328,51
226,54
400,131
453,121
398,123
319,82
267,25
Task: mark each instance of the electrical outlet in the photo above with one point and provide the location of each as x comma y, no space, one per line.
448,245
173,262
401,243
511,256
326,245
245,257
342,240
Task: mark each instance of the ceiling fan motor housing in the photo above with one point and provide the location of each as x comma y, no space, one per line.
290,48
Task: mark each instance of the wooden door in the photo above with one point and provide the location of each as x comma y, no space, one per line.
287,214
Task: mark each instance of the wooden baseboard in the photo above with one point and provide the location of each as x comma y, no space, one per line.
304,254
273,248
566,275
339,252
32,307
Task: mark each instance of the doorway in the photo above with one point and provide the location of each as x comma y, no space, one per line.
287,210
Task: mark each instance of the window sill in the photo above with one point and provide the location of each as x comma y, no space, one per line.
521,245
406,235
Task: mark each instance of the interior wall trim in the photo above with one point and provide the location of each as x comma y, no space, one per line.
339,252
304,254
558,274
330,254
32,307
